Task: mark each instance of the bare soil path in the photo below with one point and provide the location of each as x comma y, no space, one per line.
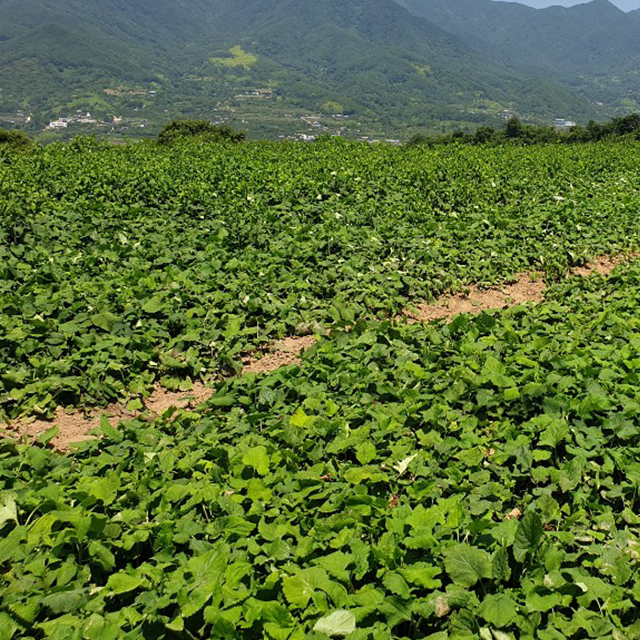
76,426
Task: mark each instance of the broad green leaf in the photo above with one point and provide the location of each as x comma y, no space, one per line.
301,419
466,565
120,583
65,601
422,575
104,321
153,305
556,431
498,610
366,452
337,624
8,508
536,602
299,588
258,459
10,545
396,584
500,568
528,535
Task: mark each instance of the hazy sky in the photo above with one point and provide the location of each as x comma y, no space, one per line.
625,5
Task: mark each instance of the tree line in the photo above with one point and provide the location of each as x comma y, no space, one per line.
515,131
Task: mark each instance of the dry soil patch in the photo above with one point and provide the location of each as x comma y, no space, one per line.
526,287
280,354
76,426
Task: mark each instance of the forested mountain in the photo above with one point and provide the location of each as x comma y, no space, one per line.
593,48
411,65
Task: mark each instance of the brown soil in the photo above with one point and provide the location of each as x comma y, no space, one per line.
76,426
280,354
603,265
527,287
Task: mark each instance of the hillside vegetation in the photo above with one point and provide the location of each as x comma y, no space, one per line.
592,48
374,61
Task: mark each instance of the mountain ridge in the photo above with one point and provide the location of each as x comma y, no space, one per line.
592,48
375,59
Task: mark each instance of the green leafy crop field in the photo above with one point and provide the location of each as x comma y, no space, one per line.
122,267
477,479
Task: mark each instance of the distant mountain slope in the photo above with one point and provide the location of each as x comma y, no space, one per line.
368,57
592,47
374,55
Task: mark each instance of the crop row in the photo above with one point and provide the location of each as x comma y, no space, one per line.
472,480
125,267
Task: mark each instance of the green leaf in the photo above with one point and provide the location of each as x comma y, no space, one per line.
403,465
65,601
556,431
366,452
104,321
120,583
395,583
528,535
536,602
258,459
11,543
500,568
102,555
298,589
422,575
498,610
337,624
46,437
466,565
153,305
301,419
8,508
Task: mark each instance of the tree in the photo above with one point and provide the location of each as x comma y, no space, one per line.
14,139
626,125
514,128
484,134
202,129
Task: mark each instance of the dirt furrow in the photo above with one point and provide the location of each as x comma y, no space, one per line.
76,426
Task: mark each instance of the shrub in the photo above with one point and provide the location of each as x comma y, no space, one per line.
203,129
15,139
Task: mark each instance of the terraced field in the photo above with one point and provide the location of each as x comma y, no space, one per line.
473,476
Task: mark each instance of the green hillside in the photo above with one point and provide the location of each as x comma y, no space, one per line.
592,48
371,59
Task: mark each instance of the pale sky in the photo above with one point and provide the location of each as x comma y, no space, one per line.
625,5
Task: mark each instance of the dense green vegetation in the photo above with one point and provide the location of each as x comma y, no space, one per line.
363,495
13,139
592,48
201,129
517,132
366,494
122,267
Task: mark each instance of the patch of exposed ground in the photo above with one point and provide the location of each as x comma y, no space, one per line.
603,265
528,287
77,426
280,354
